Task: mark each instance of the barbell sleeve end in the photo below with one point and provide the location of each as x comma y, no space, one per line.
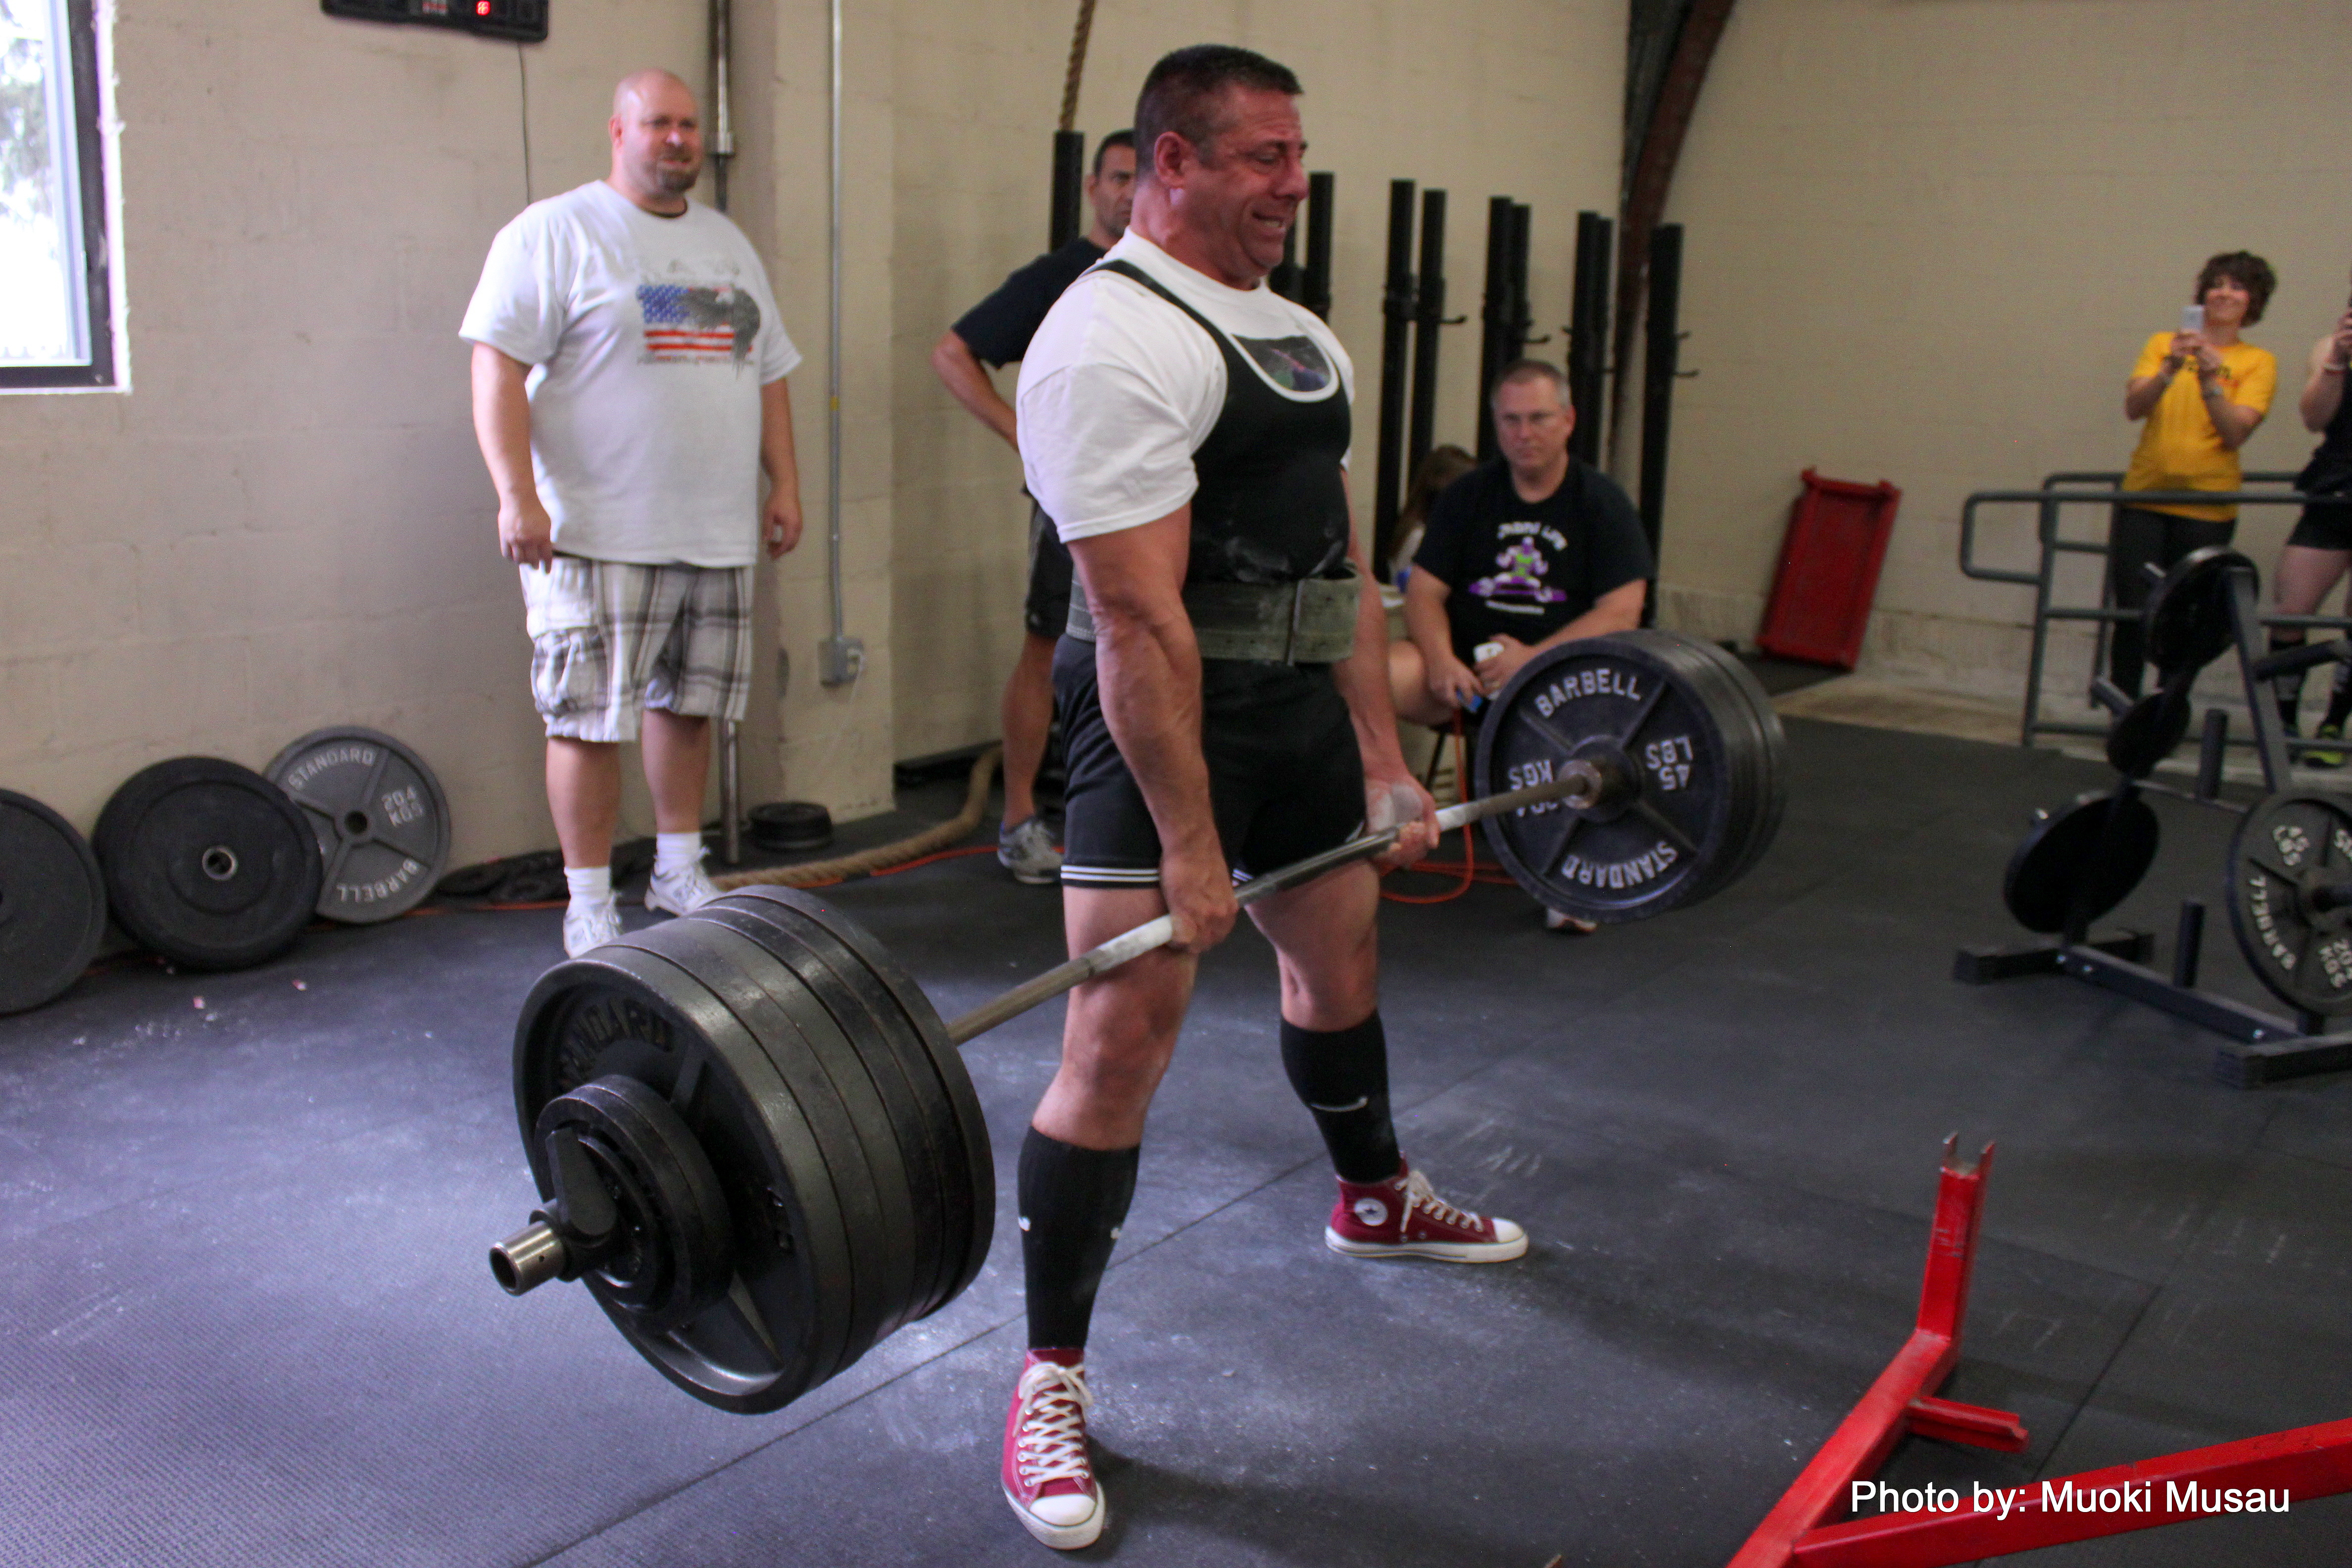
528,1258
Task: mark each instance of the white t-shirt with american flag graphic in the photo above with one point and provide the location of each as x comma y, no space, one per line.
650,338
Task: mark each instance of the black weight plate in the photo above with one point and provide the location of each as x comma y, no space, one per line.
2187,620
803,1038
1766,744
784,1325
980,1164
784,827
2289,860
52,903
2149,731
2066,847
920,1110
207,863
1630,701
382,821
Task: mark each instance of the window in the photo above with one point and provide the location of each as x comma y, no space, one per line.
55,311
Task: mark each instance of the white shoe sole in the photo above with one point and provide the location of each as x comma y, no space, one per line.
1441,1251
1066,1537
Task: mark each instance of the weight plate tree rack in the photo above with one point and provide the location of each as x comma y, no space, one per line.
52,903
2286,866
207,863
755,1138
382,821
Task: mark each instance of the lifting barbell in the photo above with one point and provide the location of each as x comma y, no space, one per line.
757,1145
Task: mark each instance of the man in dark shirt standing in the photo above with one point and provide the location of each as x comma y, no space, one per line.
1519,555
994,334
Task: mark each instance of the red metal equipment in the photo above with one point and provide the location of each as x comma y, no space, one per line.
2297,1466
1829,571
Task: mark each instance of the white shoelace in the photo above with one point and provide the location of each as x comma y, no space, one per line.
1052,1445
1417,1195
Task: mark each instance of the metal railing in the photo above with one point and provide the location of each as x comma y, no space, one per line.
2061,489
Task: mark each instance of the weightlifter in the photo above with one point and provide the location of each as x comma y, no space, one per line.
1224,698
629,367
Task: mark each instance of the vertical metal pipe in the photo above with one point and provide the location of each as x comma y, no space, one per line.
1429,317
2038,653
1493,313
840,657
2213,749
1316,293
1396,325
1521,326
1660,355
1588,333
1066,220
1289,279
723,153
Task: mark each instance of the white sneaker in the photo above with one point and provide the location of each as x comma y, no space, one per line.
587,925
681,892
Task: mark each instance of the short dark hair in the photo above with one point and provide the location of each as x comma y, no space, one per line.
1115,139
1520,370
2246,269
1185,91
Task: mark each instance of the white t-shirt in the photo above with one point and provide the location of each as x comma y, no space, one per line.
1119,388
651,338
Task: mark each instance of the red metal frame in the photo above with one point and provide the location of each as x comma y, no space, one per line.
2305,1463
1829,571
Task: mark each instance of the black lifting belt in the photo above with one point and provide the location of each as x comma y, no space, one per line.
1308,622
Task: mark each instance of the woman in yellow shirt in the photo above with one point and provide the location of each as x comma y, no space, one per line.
2195,424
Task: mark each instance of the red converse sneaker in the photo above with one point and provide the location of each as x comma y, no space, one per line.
1401,1217
1048,1479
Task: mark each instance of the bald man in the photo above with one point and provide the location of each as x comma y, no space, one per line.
629,368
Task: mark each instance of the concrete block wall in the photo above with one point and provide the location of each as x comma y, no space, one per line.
1924,243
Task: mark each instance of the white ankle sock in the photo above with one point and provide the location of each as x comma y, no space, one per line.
588,884
677,852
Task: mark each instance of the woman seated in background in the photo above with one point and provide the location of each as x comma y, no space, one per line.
2320,548
2195,424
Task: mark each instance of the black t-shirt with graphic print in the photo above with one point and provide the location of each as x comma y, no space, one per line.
1529,568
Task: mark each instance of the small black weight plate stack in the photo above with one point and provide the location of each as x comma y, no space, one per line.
381,818
52,903
1680,721
787,826
2069,852
2291,898
207,863
785,1322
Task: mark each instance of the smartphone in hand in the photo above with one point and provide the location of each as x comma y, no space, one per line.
2192,318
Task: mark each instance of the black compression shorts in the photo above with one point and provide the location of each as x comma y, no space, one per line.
1285,779
2324,526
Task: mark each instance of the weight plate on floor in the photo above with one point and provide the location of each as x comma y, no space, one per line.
783,1324
920,1115
52,903
382,821
786,827
915,1011
2069,849
1695,761
2290,886
2187,620
207,863
2149,731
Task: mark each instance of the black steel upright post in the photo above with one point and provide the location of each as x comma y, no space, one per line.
1069,189
1428,319
1521,327
1315,291
1588,332
1396,325
1661,354
1494,314
1286,280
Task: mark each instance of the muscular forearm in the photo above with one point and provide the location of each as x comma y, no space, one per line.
502,422
967,379
1362,677
1149,668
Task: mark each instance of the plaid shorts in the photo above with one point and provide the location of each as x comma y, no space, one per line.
610,637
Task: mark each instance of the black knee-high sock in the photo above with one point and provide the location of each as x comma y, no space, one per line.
1343,1077
2286,689
2339,697
1072,1201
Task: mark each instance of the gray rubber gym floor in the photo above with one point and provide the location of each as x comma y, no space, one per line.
244,1318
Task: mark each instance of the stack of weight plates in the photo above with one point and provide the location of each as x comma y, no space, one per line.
820,1083
207,863
52,903
1682,718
